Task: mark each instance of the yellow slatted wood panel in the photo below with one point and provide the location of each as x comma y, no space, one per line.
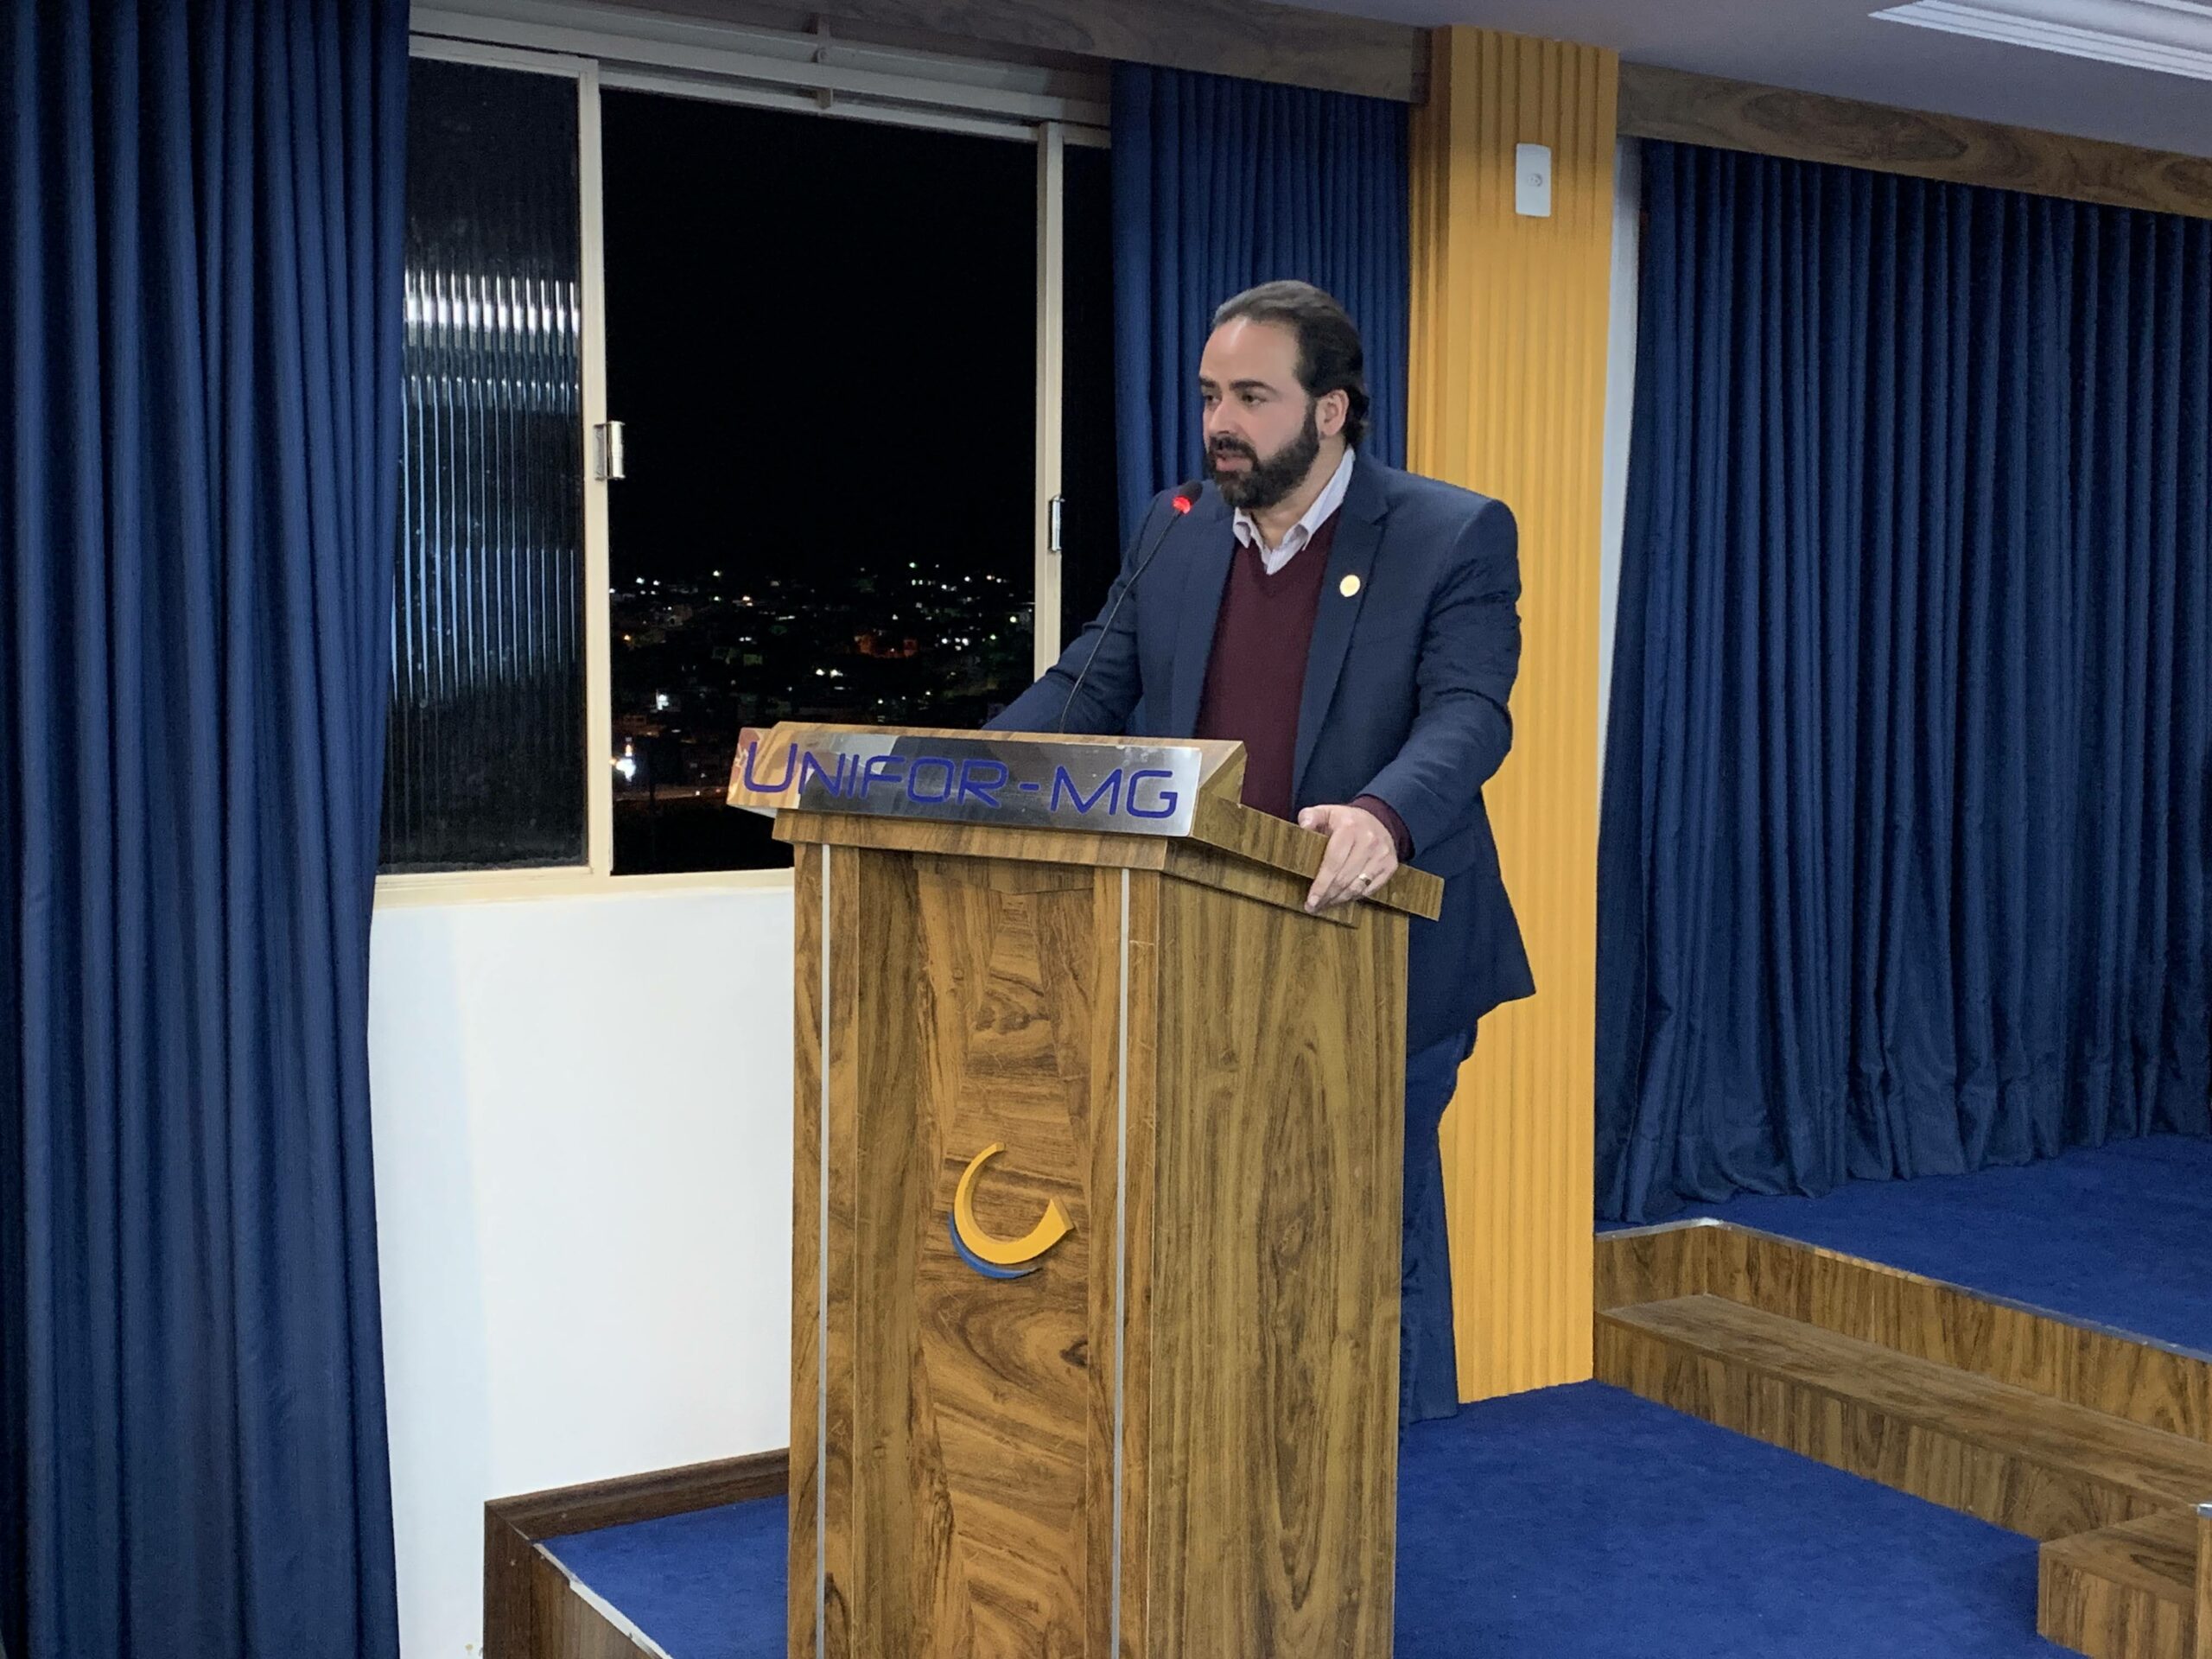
1508,397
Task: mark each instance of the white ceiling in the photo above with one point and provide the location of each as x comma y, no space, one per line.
1836,47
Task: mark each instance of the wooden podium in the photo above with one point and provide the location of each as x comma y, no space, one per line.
1094,1206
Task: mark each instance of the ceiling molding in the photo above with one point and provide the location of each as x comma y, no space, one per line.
2168,37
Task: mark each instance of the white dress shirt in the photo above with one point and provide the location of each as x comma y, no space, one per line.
1273,559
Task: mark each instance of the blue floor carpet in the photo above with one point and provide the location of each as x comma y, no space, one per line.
2119,1235
1572,1523
709,1584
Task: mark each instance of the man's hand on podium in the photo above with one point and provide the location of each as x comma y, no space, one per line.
1361,857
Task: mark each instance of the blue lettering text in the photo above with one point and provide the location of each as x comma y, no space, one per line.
1109,789
982,779
752,753
914,780
1169,798
878,771
810,767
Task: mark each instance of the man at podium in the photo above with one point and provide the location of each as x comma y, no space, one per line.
1355,627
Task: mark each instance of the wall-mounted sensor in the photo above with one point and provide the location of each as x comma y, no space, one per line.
1532,180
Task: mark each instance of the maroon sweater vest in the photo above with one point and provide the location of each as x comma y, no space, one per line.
1256,674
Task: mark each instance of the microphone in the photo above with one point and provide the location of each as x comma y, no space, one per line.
1185,497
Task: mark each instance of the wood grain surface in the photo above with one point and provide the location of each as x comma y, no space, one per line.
1272,1286
1653,1264
2085,1438
962,1408
2143,1381
1125,1372
569,1627
1251,38
2140,1381
1223,1353
648,1495
531,1610
811,867
975,840
525,1597
511,1566
2020,1459
1231,846
2203,1619
1262,838
2124,1592
1692,109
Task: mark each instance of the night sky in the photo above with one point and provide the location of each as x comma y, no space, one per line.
820,338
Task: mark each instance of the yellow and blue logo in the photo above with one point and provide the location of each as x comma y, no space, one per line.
992,1256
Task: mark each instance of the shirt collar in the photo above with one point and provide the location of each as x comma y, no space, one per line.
1331,498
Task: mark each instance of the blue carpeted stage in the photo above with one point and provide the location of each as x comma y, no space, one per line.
1573,1522
1585,1522
2117,1235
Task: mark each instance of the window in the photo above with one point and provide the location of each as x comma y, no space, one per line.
842,353
488,663
824,367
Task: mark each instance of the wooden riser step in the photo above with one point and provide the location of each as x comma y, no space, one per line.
2126,1570
2022,1461
2152,1383
2131,1591
2141,1590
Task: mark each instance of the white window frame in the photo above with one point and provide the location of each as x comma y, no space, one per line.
605,46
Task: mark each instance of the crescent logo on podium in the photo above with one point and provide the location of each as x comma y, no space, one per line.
990,1256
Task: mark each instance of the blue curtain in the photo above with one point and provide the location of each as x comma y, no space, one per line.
200,331
1906,826
1221,183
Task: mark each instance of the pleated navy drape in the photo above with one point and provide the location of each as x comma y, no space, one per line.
201,324
1219,183
1906,827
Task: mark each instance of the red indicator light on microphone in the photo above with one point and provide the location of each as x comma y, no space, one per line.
1181,504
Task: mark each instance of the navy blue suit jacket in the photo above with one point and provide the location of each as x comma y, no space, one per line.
1405,697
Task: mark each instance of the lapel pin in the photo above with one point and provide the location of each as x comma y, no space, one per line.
1349,586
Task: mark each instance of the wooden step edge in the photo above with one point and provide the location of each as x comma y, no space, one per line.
2131,1591
2154,1553
2064,1416
2139,1378
2204,1581
2038,1493
1653,1264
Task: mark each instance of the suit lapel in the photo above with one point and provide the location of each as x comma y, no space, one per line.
1206,578
1351,561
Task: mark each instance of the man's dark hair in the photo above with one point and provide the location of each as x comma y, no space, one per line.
1330,357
